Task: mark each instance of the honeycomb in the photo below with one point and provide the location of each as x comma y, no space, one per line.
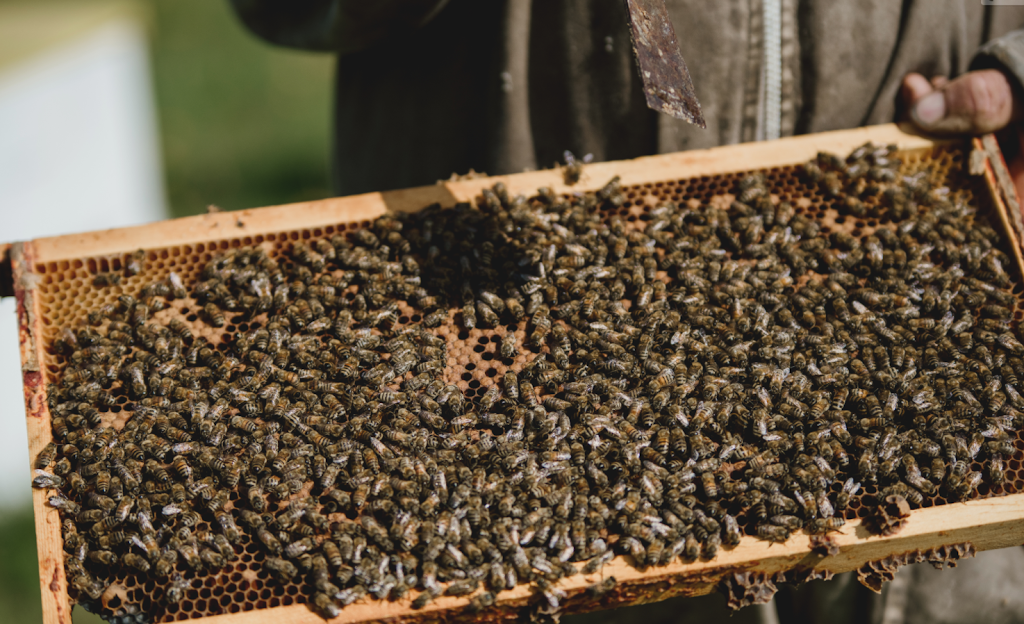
946,165
68,290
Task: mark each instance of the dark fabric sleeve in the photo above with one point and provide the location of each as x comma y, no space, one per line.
1005,53
341,26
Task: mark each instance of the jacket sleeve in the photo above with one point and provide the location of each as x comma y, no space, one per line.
341,26
1005,53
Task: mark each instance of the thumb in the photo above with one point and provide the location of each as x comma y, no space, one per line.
914,87
975,103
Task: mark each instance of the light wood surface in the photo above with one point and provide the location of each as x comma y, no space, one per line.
989,523
1004,196
242,223
717,160
52,581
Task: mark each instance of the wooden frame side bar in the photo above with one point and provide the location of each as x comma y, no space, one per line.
52,579
1003,193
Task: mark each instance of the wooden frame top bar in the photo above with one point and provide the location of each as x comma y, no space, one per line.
368,206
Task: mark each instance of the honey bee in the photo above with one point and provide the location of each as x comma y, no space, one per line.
77,483
103,557
325,606
46,456
43,480
102,280
88,585
157,471
508,345
135,263
541,323
733,534
425,597
282,569
135,561
772,533
510,382
214,315
65,504
825,525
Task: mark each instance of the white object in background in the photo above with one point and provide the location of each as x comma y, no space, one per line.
79,150
772,68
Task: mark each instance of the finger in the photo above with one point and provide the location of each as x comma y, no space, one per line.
975,103
915,86
939,81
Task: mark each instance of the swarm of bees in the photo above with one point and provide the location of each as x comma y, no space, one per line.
693,376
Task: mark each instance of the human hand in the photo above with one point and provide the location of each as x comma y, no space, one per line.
974,103
977,102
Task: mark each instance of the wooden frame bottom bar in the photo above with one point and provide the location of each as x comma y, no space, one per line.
987,524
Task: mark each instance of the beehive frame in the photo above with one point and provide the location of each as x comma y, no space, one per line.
991,522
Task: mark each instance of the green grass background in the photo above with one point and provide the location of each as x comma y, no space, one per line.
242,124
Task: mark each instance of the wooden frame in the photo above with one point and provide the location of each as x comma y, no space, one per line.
989,523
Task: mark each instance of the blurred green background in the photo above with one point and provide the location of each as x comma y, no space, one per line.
242,124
